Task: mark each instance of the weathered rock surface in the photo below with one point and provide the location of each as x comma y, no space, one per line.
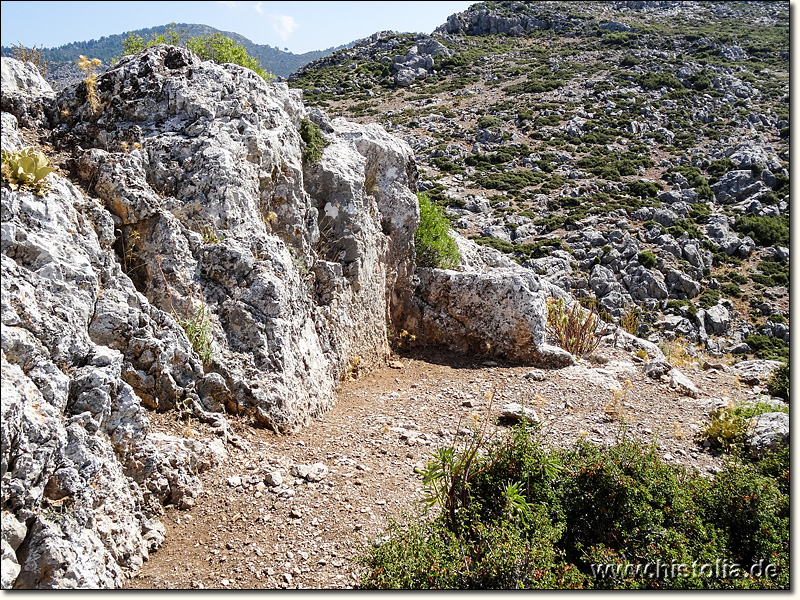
205,205
769,431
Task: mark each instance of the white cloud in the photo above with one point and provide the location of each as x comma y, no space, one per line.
284,25
259,8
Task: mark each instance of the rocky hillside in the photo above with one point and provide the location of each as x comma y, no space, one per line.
635,154
191,255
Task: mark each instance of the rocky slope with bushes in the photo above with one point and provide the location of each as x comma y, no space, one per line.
634,154
191,254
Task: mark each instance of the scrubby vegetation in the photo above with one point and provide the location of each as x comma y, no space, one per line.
434,246
525,516
313,139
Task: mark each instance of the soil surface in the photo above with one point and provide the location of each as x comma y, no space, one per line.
249,530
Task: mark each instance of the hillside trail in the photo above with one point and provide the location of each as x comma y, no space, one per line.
244,534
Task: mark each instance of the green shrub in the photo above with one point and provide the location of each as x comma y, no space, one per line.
198,330
434,247
647,259
528,516
765,231
314,140
719,167
222,49
700,212
655,81
769,348
709,298
487,122
695,179
779,382
647,189
731,290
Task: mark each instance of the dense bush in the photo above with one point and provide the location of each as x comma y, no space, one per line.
315,142
765,231
647,259
769,348
434,247
521,515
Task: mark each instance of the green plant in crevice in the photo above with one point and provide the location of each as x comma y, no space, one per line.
779,382
196,323
26,168
434,246
314,140
198,329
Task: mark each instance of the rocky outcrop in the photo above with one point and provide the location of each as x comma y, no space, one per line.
217,212
201,209
491,310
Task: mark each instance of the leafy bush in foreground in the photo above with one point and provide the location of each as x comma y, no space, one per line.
435,248
525,516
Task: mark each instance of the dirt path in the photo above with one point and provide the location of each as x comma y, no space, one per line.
243,533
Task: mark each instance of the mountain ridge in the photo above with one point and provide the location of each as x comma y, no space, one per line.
61,60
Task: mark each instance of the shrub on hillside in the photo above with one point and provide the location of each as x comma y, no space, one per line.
765,231
527,516
315,142
434,246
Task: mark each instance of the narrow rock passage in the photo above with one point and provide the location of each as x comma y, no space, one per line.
264,520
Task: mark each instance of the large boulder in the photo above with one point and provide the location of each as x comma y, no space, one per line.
496,311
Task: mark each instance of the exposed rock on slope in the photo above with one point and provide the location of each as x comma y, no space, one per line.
205,210
199,217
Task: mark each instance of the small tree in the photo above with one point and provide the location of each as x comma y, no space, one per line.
223,50
435,248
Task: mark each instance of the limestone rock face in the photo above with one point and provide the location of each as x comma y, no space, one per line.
200,167
499,311
199,205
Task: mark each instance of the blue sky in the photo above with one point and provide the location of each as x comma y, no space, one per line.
298,26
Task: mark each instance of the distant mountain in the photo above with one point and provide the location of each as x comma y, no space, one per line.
62,60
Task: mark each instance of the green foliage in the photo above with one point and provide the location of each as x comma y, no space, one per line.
575,329
681,226
699,212
648,189
216,47
695,179
709,298
779,382
765,231
222,49
769,348
26,168
487,122
719,167
647,259
198,330
314,140
655,81
434,247
534,517
731,290
134,42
